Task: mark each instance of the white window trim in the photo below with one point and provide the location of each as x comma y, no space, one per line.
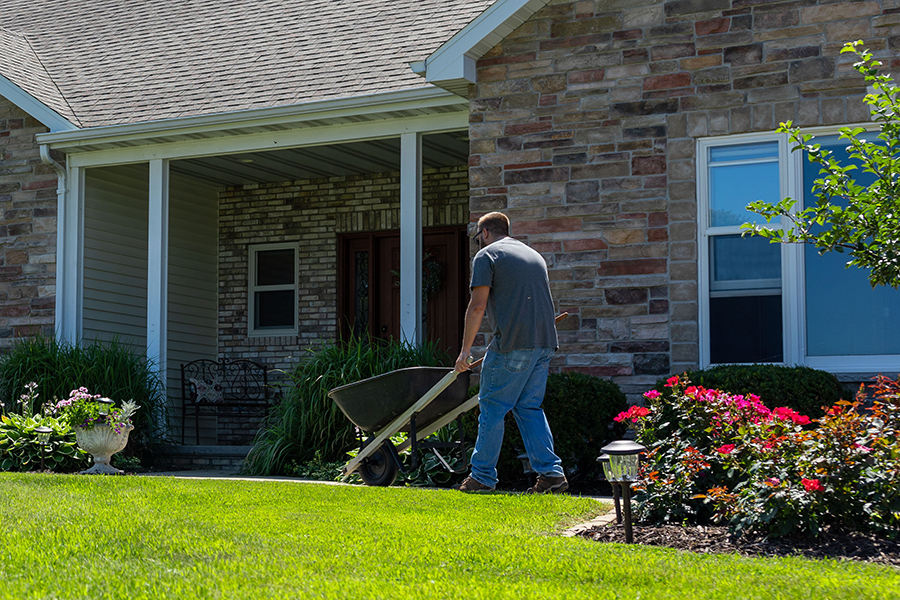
792,259
252,288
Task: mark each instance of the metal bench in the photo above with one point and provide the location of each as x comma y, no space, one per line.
209,386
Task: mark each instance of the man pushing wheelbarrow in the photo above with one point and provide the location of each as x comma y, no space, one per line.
510,281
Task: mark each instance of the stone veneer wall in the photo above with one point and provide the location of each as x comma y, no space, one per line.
27,230
583,130
313,212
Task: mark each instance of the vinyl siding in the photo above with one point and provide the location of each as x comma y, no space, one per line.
115,254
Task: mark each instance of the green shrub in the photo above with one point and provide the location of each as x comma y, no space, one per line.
316,469
111,369
580,409
306,422
430,472
802,389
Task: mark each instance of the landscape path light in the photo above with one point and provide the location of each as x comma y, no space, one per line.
603,459
105,405
624,467
43,437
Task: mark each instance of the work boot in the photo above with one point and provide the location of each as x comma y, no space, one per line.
549,485
471,484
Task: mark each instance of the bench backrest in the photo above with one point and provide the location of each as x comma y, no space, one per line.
224,380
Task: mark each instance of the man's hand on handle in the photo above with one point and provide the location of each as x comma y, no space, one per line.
464,361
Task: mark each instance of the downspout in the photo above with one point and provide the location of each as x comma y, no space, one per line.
61,192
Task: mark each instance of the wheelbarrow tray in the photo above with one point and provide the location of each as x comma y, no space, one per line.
372,404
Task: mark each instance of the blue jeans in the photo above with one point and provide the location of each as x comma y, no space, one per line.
514,381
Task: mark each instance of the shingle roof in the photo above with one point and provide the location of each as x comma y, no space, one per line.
107,62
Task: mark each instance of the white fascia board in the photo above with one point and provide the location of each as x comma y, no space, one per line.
261,141
31,105
134,133
456,58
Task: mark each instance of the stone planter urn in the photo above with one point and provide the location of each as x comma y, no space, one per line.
102,442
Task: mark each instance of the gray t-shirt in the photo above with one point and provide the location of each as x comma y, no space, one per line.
519,305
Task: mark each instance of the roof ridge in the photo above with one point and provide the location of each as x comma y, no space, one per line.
52,80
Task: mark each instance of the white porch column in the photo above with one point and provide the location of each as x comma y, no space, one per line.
158,264
411,238
70,258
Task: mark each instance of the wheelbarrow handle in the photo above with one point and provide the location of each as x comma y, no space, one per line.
558,318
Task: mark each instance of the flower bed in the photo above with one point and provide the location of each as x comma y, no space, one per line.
728,459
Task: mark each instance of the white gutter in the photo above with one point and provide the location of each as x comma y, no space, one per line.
61,188
374,104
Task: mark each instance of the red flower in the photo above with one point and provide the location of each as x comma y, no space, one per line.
633,414
786,414
726,449
672,381
812,485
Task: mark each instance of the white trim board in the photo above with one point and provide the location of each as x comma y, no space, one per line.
34,107
273,140
452,65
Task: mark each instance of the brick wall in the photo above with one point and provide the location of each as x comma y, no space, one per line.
583,130
27,229
313,212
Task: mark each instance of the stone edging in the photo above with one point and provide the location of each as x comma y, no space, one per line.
599,521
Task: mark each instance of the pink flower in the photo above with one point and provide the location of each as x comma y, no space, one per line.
651,395
812,485
726,449
773,482
672,381
862,448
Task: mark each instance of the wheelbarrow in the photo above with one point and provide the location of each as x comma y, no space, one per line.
416,400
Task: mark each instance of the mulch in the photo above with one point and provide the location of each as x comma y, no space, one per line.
833,543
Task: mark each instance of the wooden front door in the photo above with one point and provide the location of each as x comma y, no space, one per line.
369,285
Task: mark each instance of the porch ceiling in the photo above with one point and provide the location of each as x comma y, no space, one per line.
312,162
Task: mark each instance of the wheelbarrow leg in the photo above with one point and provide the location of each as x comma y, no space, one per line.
414,459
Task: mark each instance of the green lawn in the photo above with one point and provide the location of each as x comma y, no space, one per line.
67,537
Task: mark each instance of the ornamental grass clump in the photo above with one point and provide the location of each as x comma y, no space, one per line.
719,457
307,424
112,368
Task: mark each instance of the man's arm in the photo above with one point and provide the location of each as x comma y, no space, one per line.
474,316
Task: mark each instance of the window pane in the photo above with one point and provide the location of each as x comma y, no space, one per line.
733,187
736,259
274,309
743,152
275,267
745,329
844,315
361,295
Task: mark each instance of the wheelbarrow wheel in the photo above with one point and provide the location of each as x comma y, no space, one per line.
379,468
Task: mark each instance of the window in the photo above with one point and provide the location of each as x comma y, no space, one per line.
742,275
781,303
273,290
